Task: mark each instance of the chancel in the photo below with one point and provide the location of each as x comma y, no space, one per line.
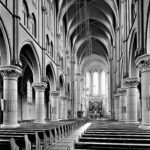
74,74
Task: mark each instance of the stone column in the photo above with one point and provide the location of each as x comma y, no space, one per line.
49,108
100,86
132,99
10,94
116,106
54,103
143,62
62,110
91,83
122,104
39,101
64,113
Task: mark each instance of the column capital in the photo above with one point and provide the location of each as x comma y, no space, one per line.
64,97
117,94
131,82
121,91
10,71
41,86
72,62
55,93
69,99
143,62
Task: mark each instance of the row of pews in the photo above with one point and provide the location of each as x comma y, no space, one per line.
36,136
113,135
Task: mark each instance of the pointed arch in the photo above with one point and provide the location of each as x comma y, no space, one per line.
4,45
132,55
147,41
51,76
28,55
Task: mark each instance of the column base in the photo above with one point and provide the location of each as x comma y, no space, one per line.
55,119
145,126
39,121
136,122
122,120
10,126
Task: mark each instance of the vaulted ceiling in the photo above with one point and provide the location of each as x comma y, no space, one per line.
90,26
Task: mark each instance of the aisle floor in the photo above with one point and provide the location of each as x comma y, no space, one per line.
69,141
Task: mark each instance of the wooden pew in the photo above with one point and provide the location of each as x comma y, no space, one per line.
40,136
15,142
33,137
112,146
8,144
116,136
115,140
117,133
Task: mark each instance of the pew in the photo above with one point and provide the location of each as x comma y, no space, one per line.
8,144
119,140
24,138
102,135
112,146
37,136
17,142
116,136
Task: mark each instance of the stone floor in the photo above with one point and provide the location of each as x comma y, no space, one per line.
69,141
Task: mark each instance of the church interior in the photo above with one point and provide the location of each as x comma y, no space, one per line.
74,74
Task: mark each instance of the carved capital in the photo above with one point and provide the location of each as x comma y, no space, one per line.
54,93
121,91
58,35
44,9
72,62
41,86
69,99
131,82
143,62
117,94
64,97
10,72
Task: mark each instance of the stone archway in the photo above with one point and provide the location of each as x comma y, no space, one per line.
4,47
133,103
31,74
4,60
133,71
61,84
51,86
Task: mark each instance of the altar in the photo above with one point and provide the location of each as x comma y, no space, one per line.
94,116
95,109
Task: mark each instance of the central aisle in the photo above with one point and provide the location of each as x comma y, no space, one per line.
69,141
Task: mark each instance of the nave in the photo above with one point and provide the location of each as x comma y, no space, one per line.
75,135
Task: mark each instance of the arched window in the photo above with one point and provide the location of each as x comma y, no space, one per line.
48,14
52,19
88,82
25,14
34,2
148,36
95,83
103,82
33,25
47,44
6,3
29,92
133,12
88,79
61,62
51,52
